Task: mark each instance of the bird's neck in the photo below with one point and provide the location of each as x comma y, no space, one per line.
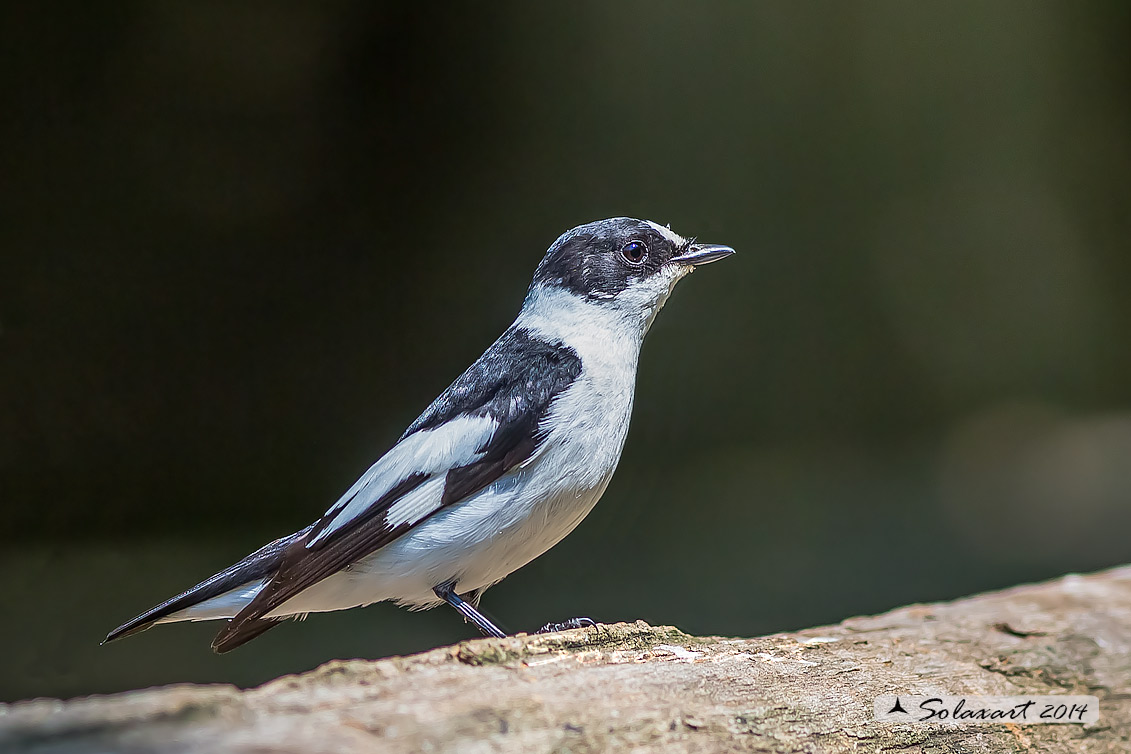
596,330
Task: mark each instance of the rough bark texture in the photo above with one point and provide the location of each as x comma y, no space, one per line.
625,686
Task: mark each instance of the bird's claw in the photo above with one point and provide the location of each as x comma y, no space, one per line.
565,625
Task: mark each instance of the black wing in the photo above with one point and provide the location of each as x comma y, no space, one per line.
512,384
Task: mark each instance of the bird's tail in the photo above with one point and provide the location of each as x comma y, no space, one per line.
220,596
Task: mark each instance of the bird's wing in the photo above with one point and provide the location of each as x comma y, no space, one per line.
483,425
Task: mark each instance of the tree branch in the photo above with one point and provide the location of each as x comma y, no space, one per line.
626,686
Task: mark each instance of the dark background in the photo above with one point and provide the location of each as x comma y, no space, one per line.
245,244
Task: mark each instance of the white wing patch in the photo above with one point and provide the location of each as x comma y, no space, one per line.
429,451
417,504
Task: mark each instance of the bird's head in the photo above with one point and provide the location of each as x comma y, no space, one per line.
625,265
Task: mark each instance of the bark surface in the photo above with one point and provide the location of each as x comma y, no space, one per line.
633,686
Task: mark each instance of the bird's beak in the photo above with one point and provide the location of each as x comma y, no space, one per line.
703,253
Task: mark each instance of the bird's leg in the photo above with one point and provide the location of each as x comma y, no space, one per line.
447,593
550,628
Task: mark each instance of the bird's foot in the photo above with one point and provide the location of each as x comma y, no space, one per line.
565,625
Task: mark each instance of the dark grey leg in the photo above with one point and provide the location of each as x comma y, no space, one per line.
447,593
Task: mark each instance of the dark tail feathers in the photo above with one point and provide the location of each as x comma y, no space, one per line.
260,564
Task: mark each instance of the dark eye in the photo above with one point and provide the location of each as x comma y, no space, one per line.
634,251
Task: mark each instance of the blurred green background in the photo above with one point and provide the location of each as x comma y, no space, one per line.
245,244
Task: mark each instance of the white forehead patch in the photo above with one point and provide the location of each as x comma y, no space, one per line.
676,239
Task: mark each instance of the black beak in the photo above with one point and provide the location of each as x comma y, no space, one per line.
703,253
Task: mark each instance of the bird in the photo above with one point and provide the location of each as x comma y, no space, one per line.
504,464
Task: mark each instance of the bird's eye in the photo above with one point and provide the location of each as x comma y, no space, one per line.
634,251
